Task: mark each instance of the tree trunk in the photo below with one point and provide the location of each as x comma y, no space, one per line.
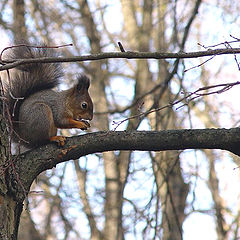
10,206
19,26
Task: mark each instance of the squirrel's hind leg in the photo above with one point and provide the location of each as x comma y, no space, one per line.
60,140
37,123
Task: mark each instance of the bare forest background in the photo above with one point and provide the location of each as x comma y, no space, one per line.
191,194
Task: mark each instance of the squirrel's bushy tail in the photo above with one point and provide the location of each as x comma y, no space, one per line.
27,79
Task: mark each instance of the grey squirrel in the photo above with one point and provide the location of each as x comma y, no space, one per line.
37,110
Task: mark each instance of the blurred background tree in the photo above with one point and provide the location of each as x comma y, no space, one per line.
132,195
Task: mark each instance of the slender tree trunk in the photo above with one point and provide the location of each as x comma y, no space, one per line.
27,228
114,168
19,26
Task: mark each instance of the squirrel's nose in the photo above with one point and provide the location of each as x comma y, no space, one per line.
88,116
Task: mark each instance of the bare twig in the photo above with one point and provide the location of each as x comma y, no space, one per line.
227,45
8,64
190,97
199,65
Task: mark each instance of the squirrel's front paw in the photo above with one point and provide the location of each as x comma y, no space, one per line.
80,124
85,125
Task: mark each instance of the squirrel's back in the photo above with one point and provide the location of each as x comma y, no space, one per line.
30,78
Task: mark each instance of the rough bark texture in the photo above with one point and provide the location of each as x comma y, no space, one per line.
12,190
10,204
50,155
46,157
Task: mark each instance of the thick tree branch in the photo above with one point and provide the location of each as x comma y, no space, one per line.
33,162
8,64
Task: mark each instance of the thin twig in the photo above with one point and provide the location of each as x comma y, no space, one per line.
190,97
8,64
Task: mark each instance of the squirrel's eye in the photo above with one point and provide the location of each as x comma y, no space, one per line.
84,105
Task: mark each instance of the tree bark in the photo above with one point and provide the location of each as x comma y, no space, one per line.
28,165
31,163
10,200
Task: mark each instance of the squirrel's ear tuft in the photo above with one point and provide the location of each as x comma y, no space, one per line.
83,82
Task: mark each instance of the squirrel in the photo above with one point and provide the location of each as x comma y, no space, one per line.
36,110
